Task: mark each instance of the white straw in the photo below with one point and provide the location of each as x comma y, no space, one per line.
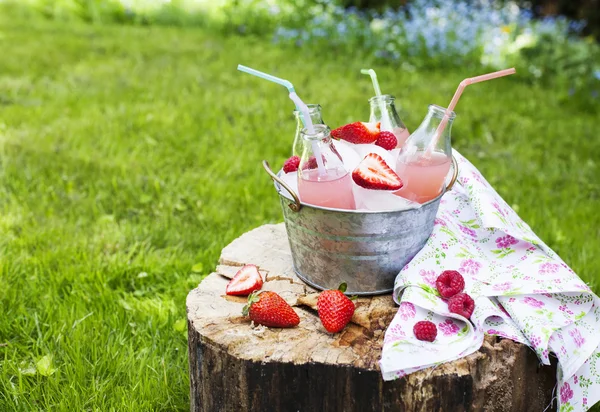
309,126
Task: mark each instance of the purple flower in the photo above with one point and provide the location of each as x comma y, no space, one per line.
439,221
467,231
407,310
393,334
533,302
497,332
576,379
547,268
445,246
470,266
585,401
577,338
448,327
428,276
565,393
535,341
503,286
506,241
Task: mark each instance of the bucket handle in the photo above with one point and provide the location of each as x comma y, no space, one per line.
296,205
454,174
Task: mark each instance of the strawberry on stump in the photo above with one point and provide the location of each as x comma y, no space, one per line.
245,281
269,309
335,309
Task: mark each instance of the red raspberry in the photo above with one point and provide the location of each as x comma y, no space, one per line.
387,140
449,283
291,165
425,330
461,304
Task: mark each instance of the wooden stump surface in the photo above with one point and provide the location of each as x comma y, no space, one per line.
339,372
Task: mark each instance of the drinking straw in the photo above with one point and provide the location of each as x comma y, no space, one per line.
309,126
454,101
373,75
285,83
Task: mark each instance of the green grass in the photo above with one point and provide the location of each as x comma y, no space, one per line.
129,157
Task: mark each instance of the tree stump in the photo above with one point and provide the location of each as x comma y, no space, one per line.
235,366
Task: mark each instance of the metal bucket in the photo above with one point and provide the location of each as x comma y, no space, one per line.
362,248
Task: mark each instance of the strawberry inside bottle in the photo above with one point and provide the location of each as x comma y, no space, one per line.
329,186
383,110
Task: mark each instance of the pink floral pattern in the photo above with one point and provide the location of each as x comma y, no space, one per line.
448,327
506,241
566,393
533,302
577,338
470,266
407,310
428,276
548,268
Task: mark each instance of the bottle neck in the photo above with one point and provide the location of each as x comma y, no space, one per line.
314,110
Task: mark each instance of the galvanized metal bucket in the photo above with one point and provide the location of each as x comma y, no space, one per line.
362,248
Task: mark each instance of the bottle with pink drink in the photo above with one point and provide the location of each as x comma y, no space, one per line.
423,169
383,111
324,183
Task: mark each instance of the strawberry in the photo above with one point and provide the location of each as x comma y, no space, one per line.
269,309
245,281
387,140
335,309
291,165
357,132
373,173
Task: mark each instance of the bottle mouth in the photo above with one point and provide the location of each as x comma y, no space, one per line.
386,98
321,132
439,111
312,108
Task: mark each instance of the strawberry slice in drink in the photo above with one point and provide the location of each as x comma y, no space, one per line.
374,173
245,281
357,132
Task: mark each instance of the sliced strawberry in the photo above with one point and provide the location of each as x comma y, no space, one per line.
245,281
373,173
357,132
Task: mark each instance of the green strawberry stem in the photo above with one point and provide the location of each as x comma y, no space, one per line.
251,299
343,286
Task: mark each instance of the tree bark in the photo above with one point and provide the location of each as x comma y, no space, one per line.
235,366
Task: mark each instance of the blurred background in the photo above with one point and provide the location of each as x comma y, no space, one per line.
130,150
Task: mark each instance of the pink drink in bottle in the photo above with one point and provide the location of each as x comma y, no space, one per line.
327,186
424,175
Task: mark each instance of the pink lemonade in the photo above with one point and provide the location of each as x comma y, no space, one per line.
333,190
423,178
401,134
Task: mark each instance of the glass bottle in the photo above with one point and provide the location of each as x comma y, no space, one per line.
314,110
383,110
423,169
326,183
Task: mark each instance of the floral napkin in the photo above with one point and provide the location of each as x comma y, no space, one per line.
522,291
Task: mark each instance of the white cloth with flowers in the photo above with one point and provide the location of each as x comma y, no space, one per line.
522,291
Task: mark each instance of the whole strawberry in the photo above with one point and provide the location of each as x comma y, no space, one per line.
449,283
335,309
357,132
425,330
387,140
269,309
461,304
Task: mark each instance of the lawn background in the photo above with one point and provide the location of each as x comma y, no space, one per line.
130,156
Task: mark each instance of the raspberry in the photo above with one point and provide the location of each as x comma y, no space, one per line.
291,165
461,304
449,283
425,330
387,140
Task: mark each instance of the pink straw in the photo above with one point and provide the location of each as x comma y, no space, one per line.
454,101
